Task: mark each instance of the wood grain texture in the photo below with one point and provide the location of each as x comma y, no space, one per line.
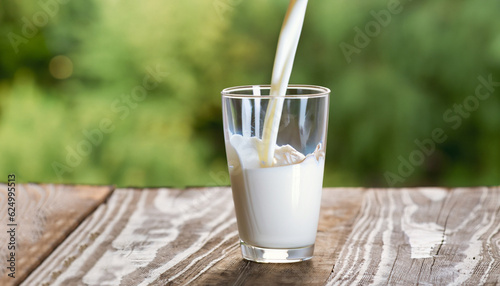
427,236
45,215
142,237
423,236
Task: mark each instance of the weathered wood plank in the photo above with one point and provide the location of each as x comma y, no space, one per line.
366,236
45,215
423,236
143,237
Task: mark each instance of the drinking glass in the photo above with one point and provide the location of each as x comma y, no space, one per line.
277,203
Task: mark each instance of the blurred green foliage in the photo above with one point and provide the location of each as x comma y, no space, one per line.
395,89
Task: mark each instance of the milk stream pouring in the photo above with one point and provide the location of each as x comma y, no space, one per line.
283,62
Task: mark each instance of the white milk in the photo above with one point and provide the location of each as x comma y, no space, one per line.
276,207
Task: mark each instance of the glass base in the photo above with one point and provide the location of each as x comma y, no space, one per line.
276,255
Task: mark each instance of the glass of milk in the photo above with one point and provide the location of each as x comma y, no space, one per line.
277,202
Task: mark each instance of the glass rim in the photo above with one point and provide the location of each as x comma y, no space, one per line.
320,91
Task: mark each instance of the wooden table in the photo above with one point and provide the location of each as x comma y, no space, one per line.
97,235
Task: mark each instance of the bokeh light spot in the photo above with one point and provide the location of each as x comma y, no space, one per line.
61,67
